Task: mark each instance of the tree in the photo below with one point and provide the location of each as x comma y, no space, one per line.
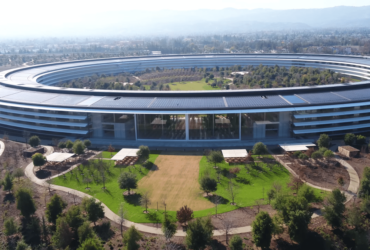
85,232
94,209
25,203
18,173
91,244
63,235
236,243
199,233
143,153
122,215
54,208
131,237
8,182
21,245
216,157
334,208
78,147
87,143
308,193
10,226
323,141
349,139
69,144
184,215
228,225
34,141
32,232
271,194
38,159
259,149
298,225
295,183
355,217
208,185
87,180
232,190
45,230
127,181
278,225
145,201
111,150
365,183
262,228
74,217
168,228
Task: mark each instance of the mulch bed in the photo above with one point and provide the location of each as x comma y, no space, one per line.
321,173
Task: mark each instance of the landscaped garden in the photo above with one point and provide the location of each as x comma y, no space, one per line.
239,185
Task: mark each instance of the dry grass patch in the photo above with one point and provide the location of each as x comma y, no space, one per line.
175,180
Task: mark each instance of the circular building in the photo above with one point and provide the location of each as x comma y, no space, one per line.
227,119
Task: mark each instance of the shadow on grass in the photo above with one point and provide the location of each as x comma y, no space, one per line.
216,198
153,217
243,180
133,199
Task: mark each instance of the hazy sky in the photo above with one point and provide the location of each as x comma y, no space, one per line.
18,15
67,11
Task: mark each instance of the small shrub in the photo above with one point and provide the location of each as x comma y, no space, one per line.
323,141
303,157
69,144
260,149
62,144
316,155
296,154
360,139
235,170
34,141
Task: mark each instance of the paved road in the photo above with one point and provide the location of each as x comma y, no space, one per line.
353,186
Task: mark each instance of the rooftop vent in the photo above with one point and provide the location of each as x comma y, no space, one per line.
117,98
263,97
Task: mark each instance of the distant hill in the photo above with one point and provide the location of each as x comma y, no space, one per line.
166,22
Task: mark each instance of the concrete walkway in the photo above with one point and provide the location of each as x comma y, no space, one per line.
354,182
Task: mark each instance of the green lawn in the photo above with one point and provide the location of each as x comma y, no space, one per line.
106,154
196,85
250,187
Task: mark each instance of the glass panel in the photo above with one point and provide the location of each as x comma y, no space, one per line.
161,127
121,126
262,125
107,118
214,127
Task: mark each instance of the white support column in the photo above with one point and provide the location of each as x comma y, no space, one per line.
135,126
240,126
187,126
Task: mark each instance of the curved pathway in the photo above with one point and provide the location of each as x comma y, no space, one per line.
354,182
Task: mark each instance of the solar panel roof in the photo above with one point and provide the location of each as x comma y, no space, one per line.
325,97
188,103
255,101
